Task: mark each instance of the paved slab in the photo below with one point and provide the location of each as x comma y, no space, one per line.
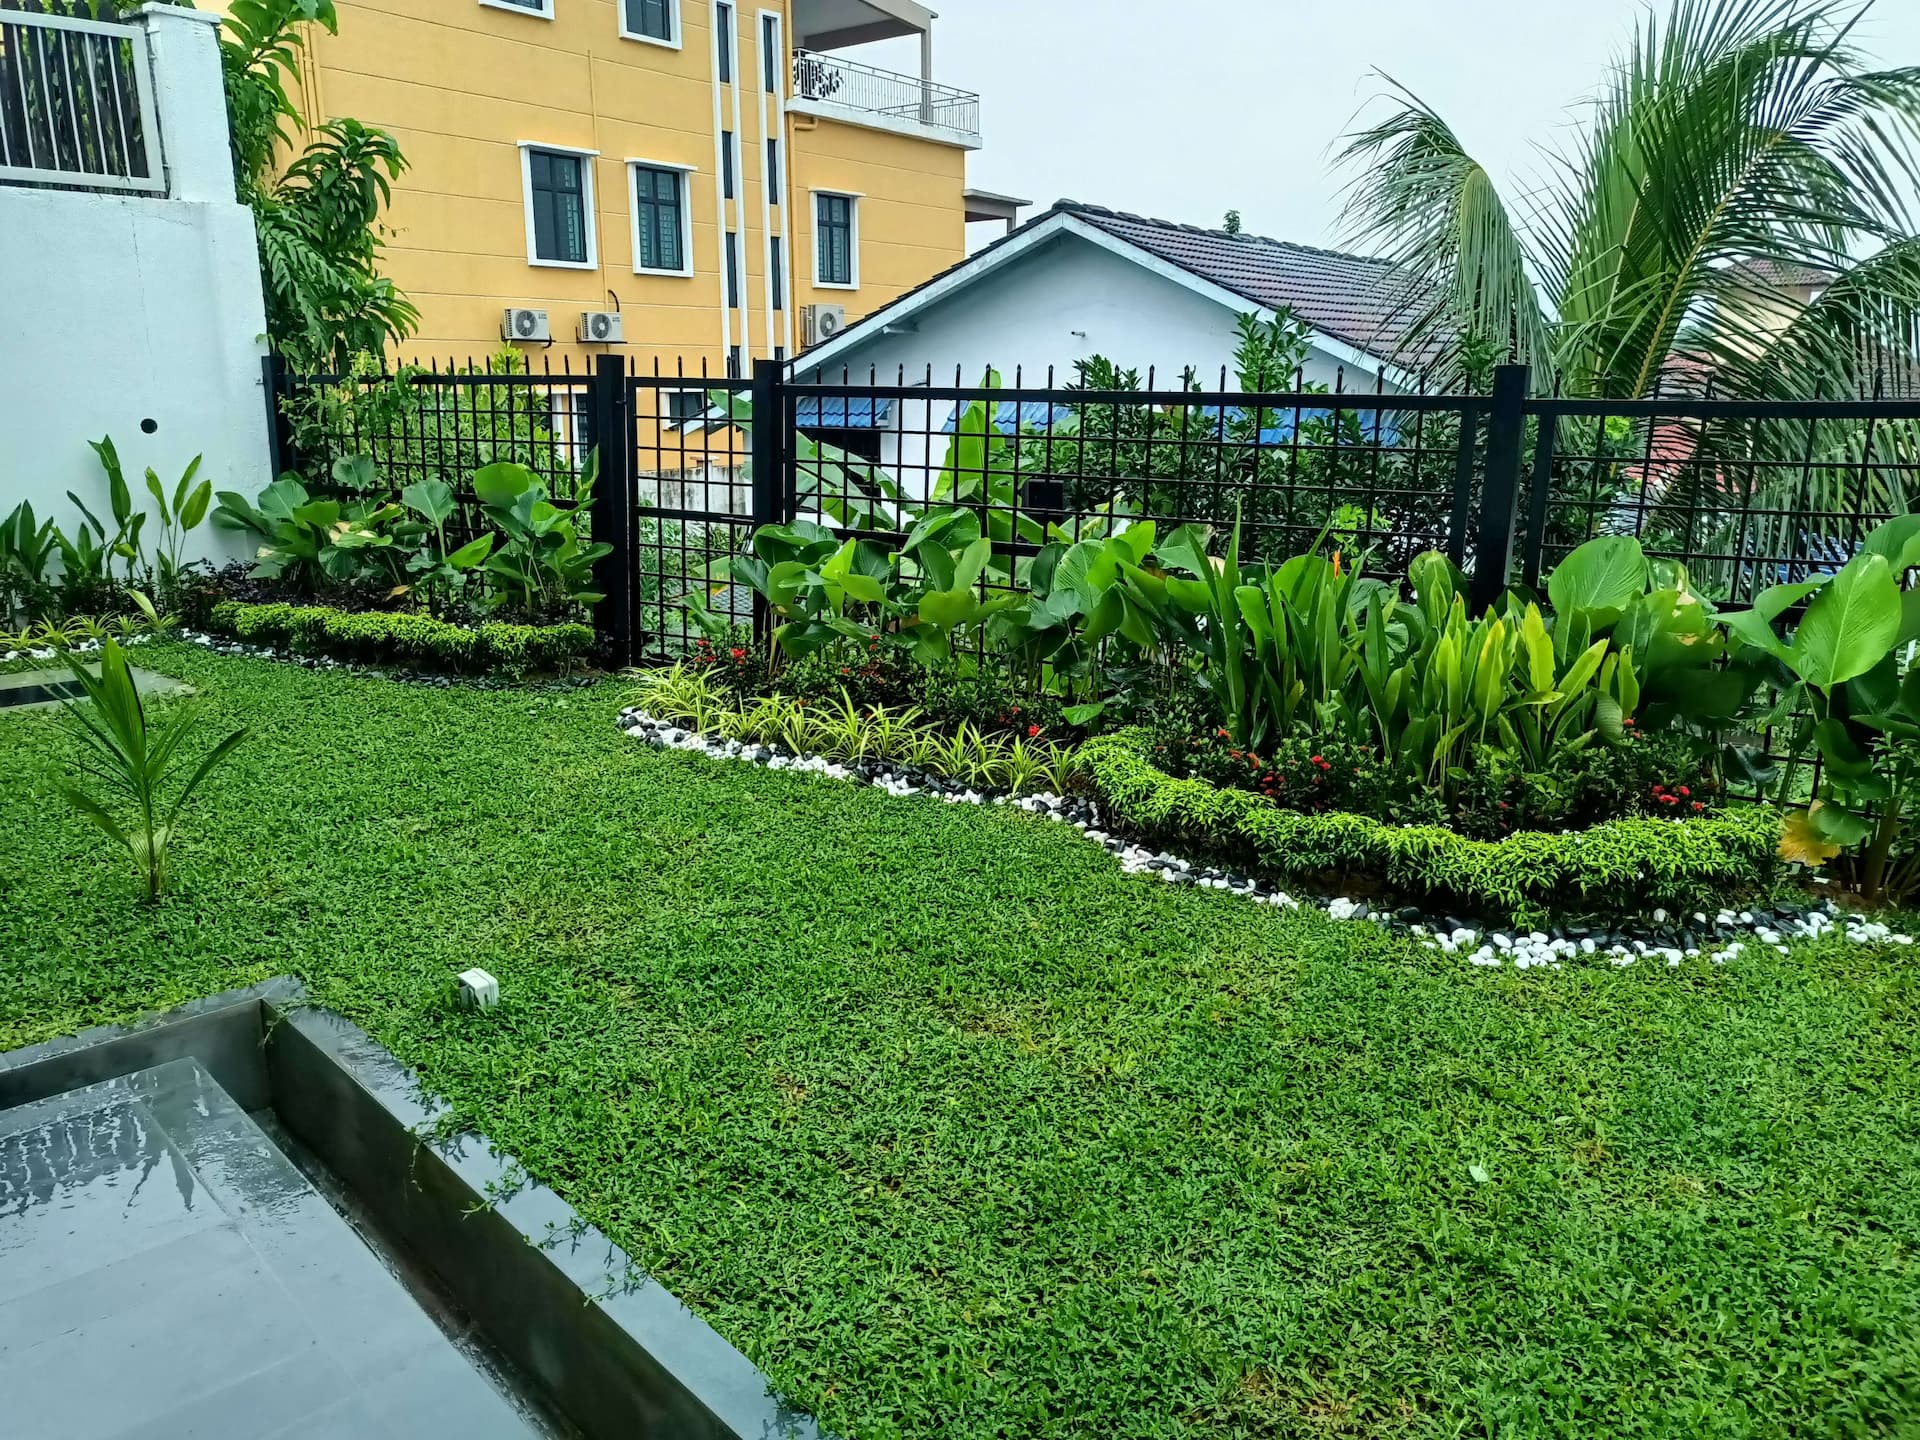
165,1271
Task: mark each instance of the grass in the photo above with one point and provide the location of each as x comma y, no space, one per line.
959,1132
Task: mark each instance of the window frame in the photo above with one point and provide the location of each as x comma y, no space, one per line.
676,28
729,165
774,170
734,278
772,54
588,215
853,198
724,41
636,164
776,244
544,12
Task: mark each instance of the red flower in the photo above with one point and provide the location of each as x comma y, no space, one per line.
1683,792
1032,731
1699,805
738,653
1315,759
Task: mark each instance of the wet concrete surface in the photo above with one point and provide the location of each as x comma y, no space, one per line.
166,1271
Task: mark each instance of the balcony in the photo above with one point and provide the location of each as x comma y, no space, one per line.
856,94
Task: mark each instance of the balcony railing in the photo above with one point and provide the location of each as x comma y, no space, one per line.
76,104
885,94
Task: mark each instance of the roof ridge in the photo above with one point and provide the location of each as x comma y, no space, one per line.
1080,207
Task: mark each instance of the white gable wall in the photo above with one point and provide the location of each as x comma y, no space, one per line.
1048,307
1051,306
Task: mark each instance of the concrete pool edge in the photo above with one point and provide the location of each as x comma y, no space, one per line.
612,1350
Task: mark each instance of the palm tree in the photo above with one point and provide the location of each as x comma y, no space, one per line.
1738,136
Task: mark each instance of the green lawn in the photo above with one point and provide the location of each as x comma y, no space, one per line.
960,1133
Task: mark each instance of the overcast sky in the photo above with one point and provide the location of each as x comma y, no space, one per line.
1240,103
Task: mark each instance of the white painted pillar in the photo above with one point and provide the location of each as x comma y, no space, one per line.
926,75
191,101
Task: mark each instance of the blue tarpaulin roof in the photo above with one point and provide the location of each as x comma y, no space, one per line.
1278,425
843,412
1033,415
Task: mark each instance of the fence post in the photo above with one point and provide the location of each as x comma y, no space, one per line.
614,508
769,446
1534,549
1500,490
274,387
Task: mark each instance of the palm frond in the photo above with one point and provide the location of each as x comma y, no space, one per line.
1431,209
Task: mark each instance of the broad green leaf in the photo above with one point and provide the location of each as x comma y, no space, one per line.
1850,625
1898,540
1601,577
432,499
502,483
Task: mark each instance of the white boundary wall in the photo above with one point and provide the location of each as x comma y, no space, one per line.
122,310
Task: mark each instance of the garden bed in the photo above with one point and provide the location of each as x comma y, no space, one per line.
415,641
1619,866
956,1130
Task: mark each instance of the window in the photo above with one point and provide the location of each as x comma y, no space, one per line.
773,259
572,431
723,38
655,20
773,168
727,147
733,362
733,268
834,259
542,8
559,196
660,219
685,405
770,51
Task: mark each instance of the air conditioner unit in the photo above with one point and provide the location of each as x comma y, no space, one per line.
820,323
524,325
602,327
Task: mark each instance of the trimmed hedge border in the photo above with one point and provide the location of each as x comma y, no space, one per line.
1640,861
382,637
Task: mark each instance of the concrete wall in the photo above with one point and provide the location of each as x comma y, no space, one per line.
137,312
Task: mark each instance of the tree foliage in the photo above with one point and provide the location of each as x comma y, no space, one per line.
1733,141
318,212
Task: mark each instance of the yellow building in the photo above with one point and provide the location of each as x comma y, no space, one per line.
709,169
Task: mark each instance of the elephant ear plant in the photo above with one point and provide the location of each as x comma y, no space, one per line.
137,764
1848,696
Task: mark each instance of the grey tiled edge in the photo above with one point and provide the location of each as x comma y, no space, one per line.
613,1349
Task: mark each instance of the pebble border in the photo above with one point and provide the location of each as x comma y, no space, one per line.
1672,939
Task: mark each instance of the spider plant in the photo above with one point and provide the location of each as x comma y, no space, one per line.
136,762
891,733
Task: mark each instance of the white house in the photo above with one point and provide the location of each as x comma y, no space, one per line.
1081,280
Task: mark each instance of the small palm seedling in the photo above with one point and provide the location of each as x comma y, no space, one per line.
134,761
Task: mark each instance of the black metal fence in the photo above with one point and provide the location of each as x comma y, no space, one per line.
1744,493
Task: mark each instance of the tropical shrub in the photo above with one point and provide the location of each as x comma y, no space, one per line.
841,729
1621,864
1848,696
135,762
383,637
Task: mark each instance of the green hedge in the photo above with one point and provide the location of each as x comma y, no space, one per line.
381,637
1636,862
